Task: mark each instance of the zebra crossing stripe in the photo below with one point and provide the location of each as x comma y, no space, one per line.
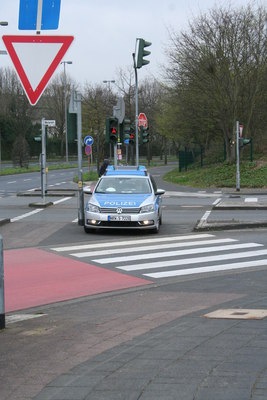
128,250
202,270
197,250
132,242
196,260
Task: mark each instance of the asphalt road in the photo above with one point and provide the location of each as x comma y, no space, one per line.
123,315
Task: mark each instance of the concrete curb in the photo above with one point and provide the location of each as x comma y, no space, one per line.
239,207
203,226
48,194
41,205
4,221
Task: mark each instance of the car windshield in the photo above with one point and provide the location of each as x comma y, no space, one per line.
123,185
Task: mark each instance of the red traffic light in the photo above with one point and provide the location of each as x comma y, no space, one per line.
114,132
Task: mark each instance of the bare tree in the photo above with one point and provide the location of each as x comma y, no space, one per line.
98,102
219,64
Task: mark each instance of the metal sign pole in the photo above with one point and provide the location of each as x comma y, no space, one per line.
136,119
237,158
80,171
2,287
43,157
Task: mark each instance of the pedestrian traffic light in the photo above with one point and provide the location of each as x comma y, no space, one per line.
111,130
126,130
142,53
144,135
244,141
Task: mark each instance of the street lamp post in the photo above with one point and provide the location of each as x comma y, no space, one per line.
109,87
66,109
2,280
2,52
108,83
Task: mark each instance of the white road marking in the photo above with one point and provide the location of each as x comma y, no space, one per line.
10,319
216,202
25,180
132,242
61,200
196,260
205,217
26,215
32,190
189,194
251,200
213,268
129,250
10,182
198,250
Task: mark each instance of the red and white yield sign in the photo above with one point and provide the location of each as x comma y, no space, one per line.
35,59
142,120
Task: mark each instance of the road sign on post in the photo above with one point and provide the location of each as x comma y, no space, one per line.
142,120
88,140
35,59
39,14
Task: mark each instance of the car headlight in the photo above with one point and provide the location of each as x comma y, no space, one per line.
148,208
93,208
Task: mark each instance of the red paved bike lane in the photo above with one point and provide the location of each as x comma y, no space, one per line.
35,277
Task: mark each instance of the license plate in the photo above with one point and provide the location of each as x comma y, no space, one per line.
119,218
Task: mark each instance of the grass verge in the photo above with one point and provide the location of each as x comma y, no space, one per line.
252,175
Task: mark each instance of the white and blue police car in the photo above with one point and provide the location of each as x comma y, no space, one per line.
125,197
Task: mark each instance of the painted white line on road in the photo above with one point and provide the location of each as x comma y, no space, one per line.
132,242
26,215
205,216
132,249
189,194
75,220
11,319
61,200
203,270
251,200
10,182
196,260
25,180
32,190
163,254
216,202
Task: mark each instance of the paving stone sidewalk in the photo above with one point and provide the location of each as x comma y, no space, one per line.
146,344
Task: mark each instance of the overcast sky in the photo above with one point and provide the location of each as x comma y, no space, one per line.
105,32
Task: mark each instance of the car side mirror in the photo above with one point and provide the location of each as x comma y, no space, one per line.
159,192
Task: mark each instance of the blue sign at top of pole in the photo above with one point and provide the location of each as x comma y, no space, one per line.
39,14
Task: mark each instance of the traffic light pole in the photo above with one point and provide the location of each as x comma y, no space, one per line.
136,112
237,158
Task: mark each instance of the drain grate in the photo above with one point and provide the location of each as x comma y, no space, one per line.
233,313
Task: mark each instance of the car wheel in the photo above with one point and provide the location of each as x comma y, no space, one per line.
156,229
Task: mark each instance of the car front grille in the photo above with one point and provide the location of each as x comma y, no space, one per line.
113,210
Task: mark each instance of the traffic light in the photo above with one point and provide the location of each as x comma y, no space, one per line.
142,53
111,130
144,135
243,142
126,130
132,136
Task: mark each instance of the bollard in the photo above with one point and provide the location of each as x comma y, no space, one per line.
2,290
